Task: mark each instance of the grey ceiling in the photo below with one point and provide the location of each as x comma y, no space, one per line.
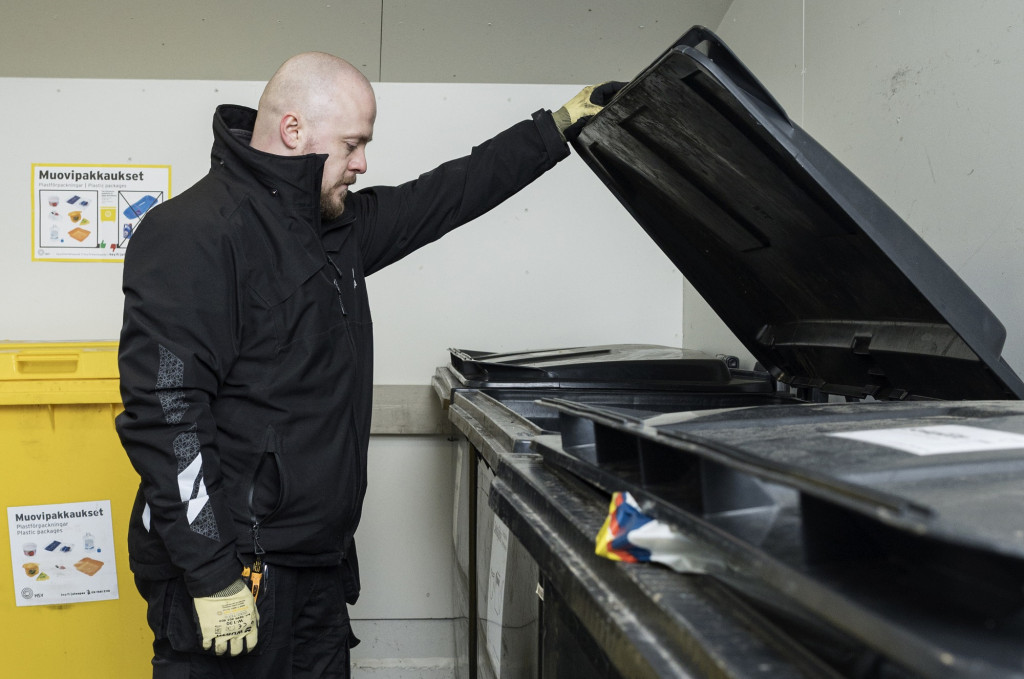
524,41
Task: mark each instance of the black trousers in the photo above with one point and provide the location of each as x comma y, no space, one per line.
304,630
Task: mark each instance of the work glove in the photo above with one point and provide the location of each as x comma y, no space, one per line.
571,118
228,620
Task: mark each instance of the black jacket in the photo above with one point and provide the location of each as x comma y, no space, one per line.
246,354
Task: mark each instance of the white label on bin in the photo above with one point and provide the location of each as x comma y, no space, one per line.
63,553
938,440
494,616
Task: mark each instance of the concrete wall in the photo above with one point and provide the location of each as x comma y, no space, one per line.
922,101
444,41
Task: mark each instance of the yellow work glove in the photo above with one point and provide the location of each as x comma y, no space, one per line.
571,118
228,620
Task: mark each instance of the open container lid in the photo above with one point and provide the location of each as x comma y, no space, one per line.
822,282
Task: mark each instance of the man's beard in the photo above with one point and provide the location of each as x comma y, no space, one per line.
331,207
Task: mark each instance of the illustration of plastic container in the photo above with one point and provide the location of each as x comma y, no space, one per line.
139,207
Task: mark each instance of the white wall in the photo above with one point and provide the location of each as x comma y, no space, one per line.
404,538
922,101
559,264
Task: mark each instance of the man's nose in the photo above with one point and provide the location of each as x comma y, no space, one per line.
357,162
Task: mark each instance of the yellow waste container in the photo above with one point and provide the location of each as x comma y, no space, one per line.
68,489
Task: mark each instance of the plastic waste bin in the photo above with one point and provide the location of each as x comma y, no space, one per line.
57,407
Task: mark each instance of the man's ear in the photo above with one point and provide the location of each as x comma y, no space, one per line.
290,131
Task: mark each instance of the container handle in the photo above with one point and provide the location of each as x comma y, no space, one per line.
46,363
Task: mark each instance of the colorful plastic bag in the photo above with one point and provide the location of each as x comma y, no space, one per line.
630,535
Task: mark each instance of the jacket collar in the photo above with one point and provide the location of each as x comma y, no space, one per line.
295,180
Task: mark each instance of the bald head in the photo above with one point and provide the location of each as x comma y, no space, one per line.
312,88
318,103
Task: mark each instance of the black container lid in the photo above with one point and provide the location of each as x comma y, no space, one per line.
613,366
821,281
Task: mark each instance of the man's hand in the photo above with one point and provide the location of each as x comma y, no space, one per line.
228,620
571,118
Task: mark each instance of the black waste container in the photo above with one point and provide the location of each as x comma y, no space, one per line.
492,403
886,538
827,548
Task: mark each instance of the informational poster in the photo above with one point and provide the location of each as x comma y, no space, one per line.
62,553
90,212
941,439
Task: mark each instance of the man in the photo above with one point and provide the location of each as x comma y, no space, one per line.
246,358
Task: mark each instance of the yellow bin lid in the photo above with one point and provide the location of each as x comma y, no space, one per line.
36,373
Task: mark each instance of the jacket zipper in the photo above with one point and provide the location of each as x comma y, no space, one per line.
337,286
348,333
352,346
271,449
351,342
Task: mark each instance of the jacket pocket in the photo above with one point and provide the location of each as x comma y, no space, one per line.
299,302
266,491
182,627
266,606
